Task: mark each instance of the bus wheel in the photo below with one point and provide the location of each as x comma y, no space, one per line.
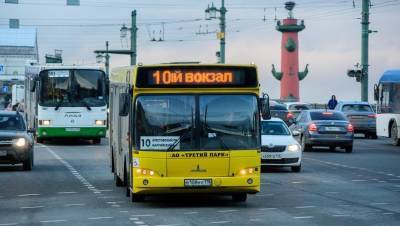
137,198
96,140
394,134
239,197
39,140
118,181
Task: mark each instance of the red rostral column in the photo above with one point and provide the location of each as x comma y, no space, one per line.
290,75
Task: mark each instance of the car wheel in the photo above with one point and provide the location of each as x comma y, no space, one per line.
305,147
28,163
349,149
332,148
394,134
118,181
239,197
374,136
96,140
296,168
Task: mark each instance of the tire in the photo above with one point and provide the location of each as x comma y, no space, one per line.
39,140
136,197
296,169
305,147
394,134
96,141
239,197
118,181
349,149
332,148
27,165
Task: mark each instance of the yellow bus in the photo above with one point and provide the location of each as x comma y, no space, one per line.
186,128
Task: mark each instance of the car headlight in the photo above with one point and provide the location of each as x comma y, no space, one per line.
99,122
293,147
20,142
44,122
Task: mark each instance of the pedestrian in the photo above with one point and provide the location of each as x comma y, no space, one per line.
332,102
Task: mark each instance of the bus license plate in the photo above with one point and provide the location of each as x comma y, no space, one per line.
270,156
72,129
3,153
198,182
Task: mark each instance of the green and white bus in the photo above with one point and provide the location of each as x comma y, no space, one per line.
66,102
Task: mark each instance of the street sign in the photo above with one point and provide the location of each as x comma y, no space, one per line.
220,35
1,69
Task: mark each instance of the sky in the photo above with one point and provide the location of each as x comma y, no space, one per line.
330,44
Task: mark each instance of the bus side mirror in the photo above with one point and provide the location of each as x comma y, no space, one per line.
124,103
32,85
265,112
376,92
107,86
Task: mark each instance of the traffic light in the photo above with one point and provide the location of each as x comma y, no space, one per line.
355,74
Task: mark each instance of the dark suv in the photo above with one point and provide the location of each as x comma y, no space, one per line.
16,143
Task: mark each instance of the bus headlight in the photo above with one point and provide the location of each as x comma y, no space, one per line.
145,172
20,142
44,122
99,122
293,147
247,171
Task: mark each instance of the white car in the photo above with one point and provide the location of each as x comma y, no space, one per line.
278,146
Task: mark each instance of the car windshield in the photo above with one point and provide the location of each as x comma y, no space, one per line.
72,88
274,128
197,122
327,115
11,122
299,107
278,107
356,108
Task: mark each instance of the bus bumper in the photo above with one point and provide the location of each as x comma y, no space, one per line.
174,185
78,132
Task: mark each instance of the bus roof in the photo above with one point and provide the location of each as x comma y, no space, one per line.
390,76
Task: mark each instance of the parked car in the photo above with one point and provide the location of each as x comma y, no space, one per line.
324,128
279,110
295,108
278,147
16,143
361,116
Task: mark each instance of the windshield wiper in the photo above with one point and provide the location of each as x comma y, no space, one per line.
221,141
184,135
58,105
86,105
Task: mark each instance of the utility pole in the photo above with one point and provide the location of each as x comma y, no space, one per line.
211,13
364,49
107,63
133,50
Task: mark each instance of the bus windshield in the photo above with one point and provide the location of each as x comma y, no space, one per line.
72,88
189,122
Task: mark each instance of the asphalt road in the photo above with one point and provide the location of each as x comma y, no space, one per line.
71,184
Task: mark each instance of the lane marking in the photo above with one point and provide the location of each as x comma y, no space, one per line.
387,213
358,180
31,207
106,190
75,204
304,217
133,218
123,211
144,215
340,215
6,224
188,213
138,222
270,208
114,202
227,211
379,203
332,192
26,195
219,222
256,220
115,205
297,182
304,207
53,221
99,218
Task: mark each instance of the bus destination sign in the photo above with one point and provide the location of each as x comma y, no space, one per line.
197,76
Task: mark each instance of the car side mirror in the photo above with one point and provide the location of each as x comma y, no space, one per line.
265,110
124,103
376,92
295,133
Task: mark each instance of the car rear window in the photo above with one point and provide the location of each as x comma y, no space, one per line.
356,108
11,122
278,107
299,107
327,115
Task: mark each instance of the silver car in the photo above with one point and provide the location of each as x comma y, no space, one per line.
361,116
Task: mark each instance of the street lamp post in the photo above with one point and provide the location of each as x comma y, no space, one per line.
211,13
124,32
